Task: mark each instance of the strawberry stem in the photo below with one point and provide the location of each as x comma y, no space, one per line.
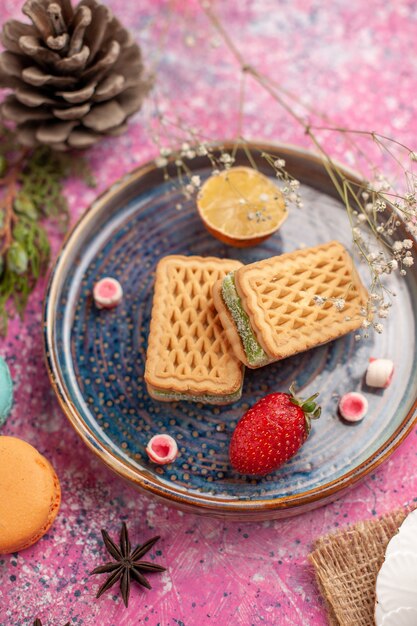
310,408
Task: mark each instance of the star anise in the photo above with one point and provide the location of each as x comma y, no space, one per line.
127,565
38,622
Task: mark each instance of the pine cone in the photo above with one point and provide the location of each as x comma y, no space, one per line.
76,74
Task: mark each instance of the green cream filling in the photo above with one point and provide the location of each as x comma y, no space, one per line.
255,354
204,398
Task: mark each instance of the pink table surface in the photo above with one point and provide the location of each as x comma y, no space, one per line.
357,62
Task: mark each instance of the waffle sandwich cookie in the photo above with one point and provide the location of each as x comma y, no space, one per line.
286,304
189,356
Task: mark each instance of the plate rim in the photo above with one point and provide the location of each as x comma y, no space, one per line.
196,501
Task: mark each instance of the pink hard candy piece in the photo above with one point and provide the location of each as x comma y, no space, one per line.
162,449
379,373
353,406
107,293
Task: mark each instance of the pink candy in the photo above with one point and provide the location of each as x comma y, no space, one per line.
353,406
162,449
107,293
379,373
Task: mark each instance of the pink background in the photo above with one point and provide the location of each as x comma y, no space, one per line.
356,61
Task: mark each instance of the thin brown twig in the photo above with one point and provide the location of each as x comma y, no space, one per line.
10,182
278,93
362,132
10,217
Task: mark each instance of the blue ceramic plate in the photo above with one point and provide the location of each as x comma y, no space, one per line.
96,358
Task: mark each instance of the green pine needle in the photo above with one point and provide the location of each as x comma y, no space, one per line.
31,192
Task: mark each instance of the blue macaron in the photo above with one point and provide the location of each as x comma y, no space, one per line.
6,391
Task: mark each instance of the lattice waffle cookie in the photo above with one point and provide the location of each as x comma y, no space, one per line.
290,303
189,356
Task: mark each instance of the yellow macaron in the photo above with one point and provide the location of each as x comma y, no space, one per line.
30,495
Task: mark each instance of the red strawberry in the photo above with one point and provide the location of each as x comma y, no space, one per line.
271,432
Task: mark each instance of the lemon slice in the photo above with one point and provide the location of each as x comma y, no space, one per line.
240,206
